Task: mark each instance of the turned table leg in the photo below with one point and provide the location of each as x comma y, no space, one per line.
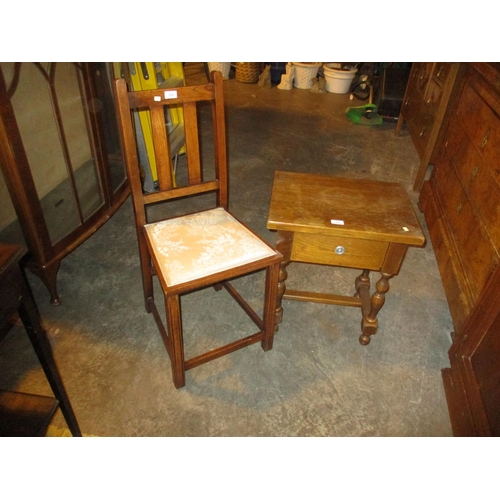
392,263
283,246
362,281
369,324
362,286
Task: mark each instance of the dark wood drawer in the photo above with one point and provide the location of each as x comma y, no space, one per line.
433,97
414,73
479,181
440,72
424,110
455,283
481,122
473,151
477,253
419,123
424,72
412,96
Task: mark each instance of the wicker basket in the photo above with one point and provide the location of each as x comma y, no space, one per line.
223,67
247,72
305,73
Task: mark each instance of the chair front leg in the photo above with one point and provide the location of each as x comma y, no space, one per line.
271,299
174,325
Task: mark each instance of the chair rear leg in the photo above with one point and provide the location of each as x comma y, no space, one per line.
271,295
147,277
174,325
147,285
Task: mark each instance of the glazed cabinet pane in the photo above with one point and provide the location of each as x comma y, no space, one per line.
49,110
103,107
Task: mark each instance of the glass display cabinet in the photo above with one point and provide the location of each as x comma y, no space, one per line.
61,159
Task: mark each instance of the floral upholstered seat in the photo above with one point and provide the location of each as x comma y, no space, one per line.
201,244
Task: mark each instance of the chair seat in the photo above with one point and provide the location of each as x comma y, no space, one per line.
202,244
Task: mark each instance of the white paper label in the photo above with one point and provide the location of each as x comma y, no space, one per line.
157,98
337,222
170,94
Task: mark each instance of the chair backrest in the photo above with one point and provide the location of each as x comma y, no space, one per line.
155,101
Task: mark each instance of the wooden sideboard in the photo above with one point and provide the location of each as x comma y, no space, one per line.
428,92
461,206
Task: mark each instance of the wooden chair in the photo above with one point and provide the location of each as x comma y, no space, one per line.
205,248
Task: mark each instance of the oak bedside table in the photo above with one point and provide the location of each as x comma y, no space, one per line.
355,223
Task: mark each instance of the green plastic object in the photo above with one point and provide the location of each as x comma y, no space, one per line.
364,115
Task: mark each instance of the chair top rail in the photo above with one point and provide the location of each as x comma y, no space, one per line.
167,97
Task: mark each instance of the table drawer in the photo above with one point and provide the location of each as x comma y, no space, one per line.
338,251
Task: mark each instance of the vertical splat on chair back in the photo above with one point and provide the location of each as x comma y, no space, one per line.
155,101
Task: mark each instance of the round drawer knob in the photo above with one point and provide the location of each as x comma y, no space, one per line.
339,250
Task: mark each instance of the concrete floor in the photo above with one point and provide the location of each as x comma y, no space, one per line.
317,380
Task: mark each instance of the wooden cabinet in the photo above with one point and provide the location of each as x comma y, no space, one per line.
461,202
60,157
427,94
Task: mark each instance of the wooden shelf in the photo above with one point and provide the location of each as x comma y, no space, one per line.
24,414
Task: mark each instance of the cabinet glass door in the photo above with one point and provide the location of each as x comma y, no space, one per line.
104,106
49,105
60,158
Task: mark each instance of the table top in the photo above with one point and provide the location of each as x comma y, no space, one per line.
358,208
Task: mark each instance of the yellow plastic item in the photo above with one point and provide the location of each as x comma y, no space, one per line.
171,74
149,76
